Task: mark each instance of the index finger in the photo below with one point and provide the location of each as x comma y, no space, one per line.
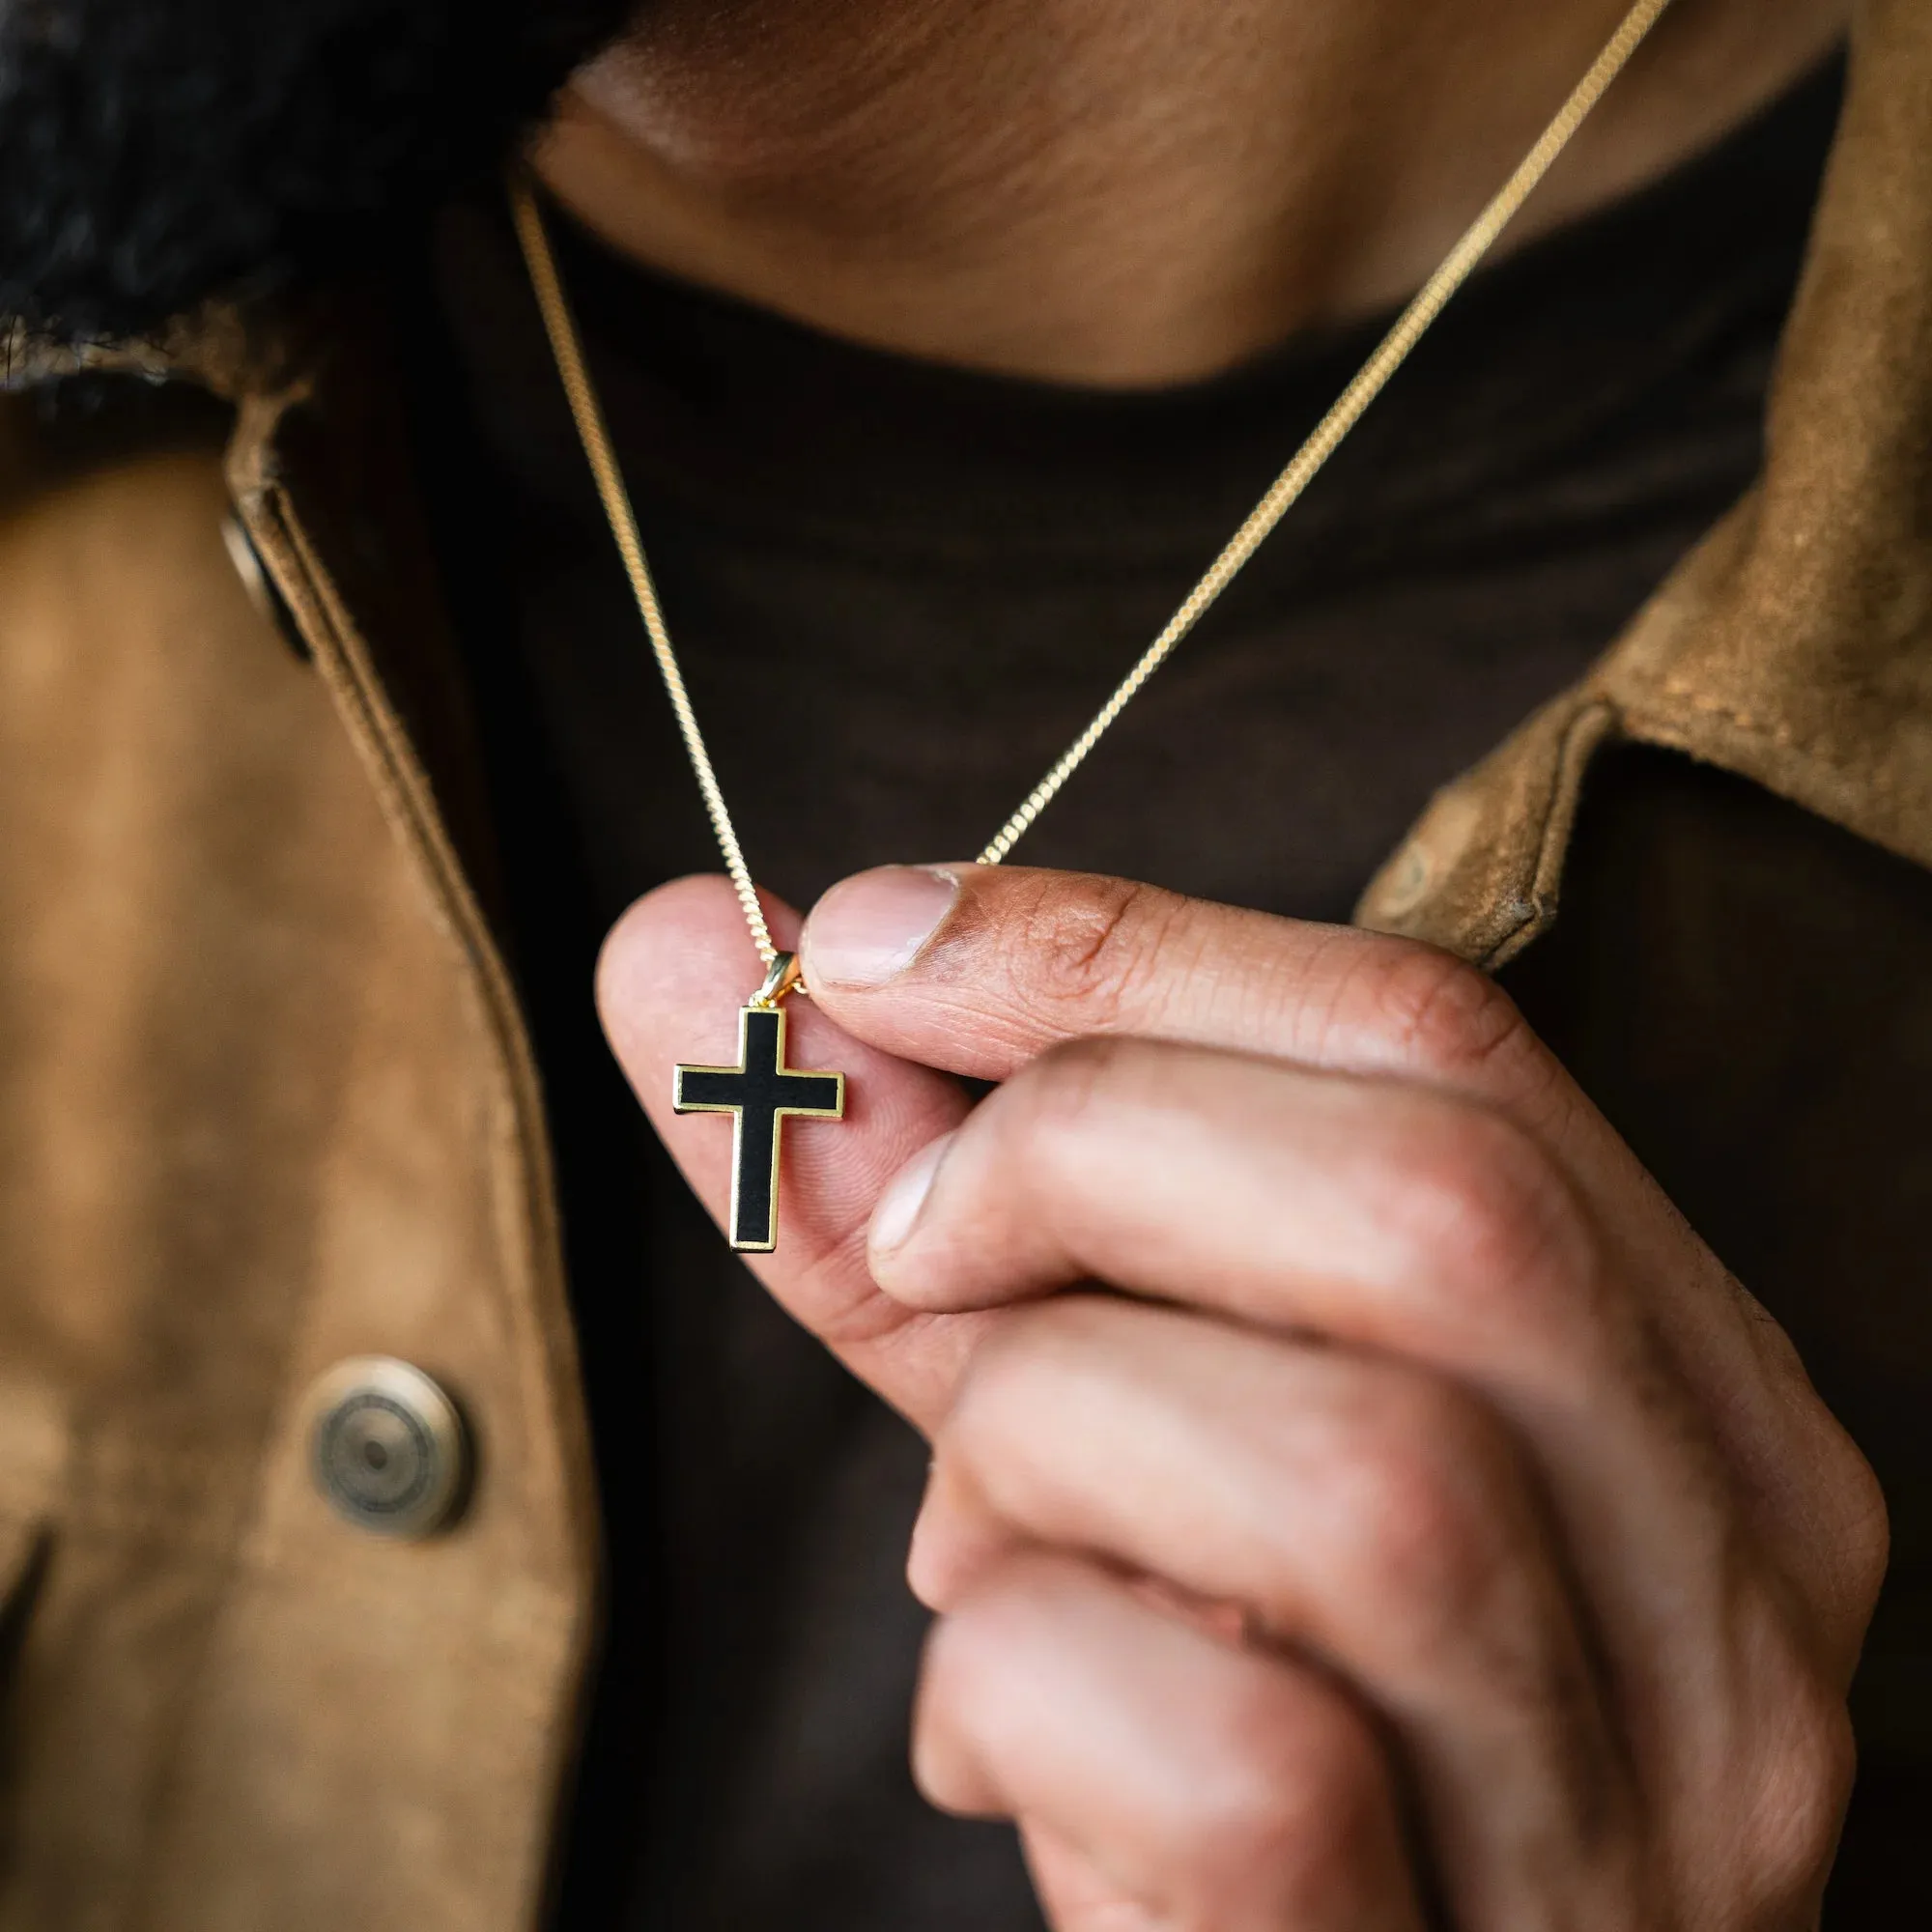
673,976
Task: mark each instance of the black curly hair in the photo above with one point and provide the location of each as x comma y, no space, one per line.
154,153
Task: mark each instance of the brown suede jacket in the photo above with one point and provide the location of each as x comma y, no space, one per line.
268,1105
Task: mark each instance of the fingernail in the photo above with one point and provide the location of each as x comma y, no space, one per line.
869,929
900,1204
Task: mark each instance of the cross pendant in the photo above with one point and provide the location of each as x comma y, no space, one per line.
760,1094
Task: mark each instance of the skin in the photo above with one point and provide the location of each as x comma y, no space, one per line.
1124,192
1421,1515
1359,1500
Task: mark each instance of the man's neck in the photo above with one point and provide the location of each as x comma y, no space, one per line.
1121,192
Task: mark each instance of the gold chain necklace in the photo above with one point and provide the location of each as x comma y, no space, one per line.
762,1092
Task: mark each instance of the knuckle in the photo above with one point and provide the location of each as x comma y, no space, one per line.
1444,1018
1482,1206
1297,1802
1431,1490
1862,1524
1803,1795
1842,1564
1866,1535
1093,952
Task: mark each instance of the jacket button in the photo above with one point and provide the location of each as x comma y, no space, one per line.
387,1447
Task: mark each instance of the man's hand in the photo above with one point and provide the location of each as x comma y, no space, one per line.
1417,1522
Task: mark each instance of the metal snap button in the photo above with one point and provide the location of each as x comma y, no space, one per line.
387,1447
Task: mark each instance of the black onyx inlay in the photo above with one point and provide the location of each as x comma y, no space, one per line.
759,1092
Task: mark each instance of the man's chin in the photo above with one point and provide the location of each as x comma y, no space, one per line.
156,152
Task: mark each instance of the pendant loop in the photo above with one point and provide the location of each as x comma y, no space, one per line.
785,977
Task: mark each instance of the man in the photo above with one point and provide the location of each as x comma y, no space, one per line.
1420,1525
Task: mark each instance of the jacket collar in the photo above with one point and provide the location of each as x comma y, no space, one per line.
1794,646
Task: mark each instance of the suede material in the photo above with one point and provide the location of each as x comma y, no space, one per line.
230,1709
267,1100
1790,647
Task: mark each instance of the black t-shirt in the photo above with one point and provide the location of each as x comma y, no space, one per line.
933,578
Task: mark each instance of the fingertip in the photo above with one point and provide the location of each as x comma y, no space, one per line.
870,927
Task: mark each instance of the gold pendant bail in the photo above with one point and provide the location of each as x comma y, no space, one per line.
785,977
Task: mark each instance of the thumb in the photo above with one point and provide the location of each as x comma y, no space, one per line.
673,976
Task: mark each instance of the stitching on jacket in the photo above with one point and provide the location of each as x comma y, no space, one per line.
1879,775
